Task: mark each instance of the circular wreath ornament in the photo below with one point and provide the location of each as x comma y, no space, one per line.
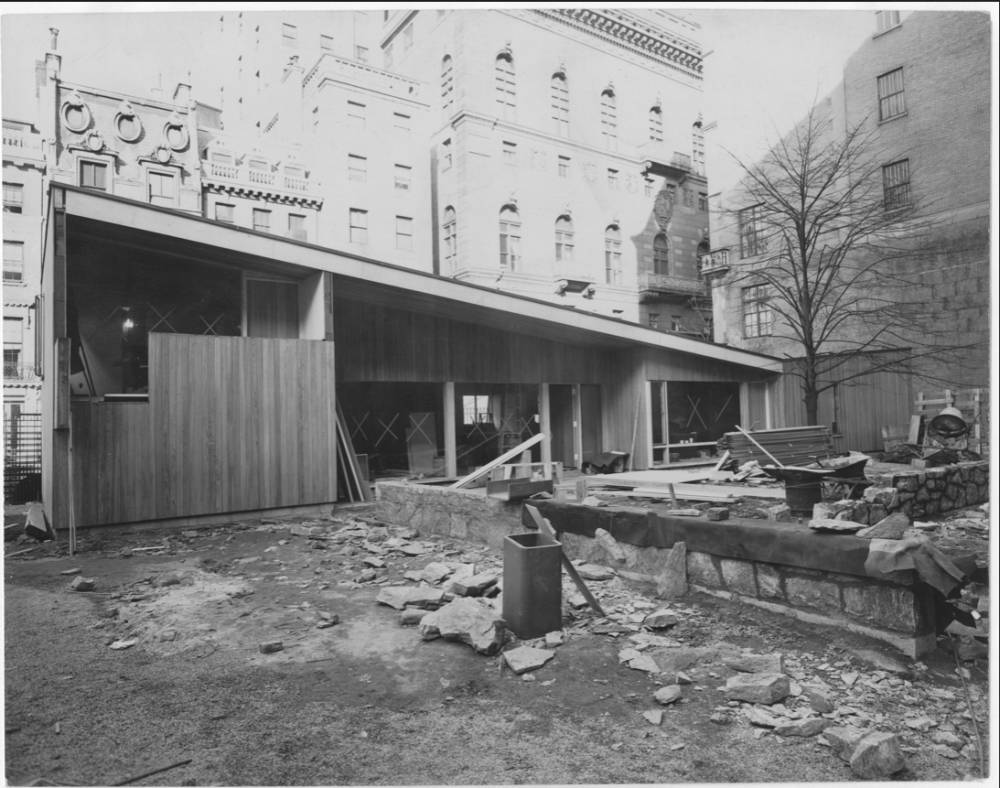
175,133
128,126
94,141
75,113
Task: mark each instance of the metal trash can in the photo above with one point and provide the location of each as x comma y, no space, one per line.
532,584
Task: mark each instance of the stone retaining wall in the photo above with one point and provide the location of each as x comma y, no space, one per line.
898,613
918,493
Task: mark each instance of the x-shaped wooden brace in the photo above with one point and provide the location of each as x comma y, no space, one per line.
210,327
418,426
386,429
476,428
694,412
359,426
162,318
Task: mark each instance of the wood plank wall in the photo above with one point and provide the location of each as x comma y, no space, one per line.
383,344
232,424
864,406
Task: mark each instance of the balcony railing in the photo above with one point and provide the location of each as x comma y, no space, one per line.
667,283
715,261
18,371
259,179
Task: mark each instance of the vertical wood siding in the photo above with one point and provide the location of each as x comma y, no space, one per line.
232,424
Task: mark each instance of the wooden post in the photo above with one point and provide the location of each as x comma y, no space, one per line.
450,439
577,427
545,426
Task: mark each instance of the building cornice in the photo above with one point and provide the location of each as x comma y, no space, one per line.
627,32
257,193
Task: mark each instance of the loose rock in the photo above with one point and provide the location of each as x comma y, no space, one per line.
654,716
811,726
435,572
553,639
892,527
660,619
466,620
270,647
667,695
755,663
475,585
877,755
81,583
843,739
525,658
595,572
764,688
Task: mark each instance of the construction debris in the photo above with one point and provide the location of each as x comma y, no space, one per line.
525,658
81,583
469,621
764,688
667,695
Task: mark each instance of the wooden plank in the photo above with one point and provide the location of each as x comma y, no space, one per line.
508,455
517,489
545,528
755,443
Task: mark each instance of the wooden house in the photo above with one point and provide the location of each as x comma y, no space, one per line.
193,369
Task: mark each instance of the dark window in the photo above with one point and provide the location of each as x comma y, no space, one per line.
13,261
161,188
13,197
447,82
560,104
510,238
896,184
661,254
609,119
504,85
891,99
757,315
656,124
752,241
93,175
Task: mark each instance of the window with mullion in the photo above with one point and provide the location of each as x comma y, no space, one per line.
891,98
510,239
896,184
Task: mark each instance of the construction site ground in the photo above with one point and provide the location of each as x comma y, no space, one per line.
160,667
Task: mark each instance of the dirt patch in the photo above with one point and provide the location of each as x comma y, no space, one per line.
366,701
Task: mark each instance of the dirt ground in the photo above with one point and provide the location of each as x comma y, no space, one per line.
160,666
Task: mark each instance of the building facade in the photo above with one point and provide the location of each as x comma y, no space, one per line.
920,87
566,153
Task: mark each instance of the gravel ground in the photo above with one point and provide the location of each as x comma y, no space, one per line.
160,666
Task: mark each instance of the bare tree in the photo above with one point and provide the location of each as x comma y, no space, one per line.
838,243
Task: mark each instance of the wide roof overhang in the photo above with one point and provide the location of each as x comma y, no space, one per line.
107,218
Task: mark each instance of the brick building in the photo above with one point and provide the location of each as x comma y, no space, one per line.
921,83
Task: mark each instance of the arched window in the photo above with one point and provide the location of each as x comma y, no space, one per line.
449,239
447,82
560,103
510,238
698,147
609,119
564,240
612,255
656,124
506,91
661,254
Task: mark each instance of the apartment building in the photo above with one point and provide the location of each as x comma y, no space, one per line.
920,85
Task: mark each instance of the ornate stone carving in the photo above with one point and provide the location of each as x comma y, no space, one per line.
175,134
128,126
75,113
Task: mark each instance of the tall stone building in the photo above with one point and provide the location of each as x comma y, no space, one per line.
921,86
567,156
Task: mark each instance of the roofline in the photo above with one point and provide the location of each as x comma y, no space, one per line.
178,224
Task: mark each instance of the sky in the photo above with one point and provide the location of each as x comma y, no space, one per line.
764,68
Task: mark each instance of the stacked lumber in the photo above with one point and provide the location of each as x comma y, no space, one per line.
790,446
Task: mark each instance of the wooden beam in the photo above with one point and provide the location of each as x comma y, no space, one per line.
545,421
577,426
549,534
507,455
754,442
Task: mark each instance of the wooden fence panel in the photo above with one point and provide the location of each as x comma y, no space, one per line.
232,424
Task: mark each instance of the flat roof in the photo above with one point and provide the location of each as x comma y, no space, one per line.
379,282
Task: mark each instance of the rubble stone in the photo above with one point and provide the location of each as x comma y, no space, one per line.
270,647
755,663
654,716
667,695
891,527
819,699
525,658
553,639
81,583
760,717
660,619
810,726
435,572
877,755
701,570
466,620
843,739
411,616
717,513
610,545
595,572
475,585
672,581
764,688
